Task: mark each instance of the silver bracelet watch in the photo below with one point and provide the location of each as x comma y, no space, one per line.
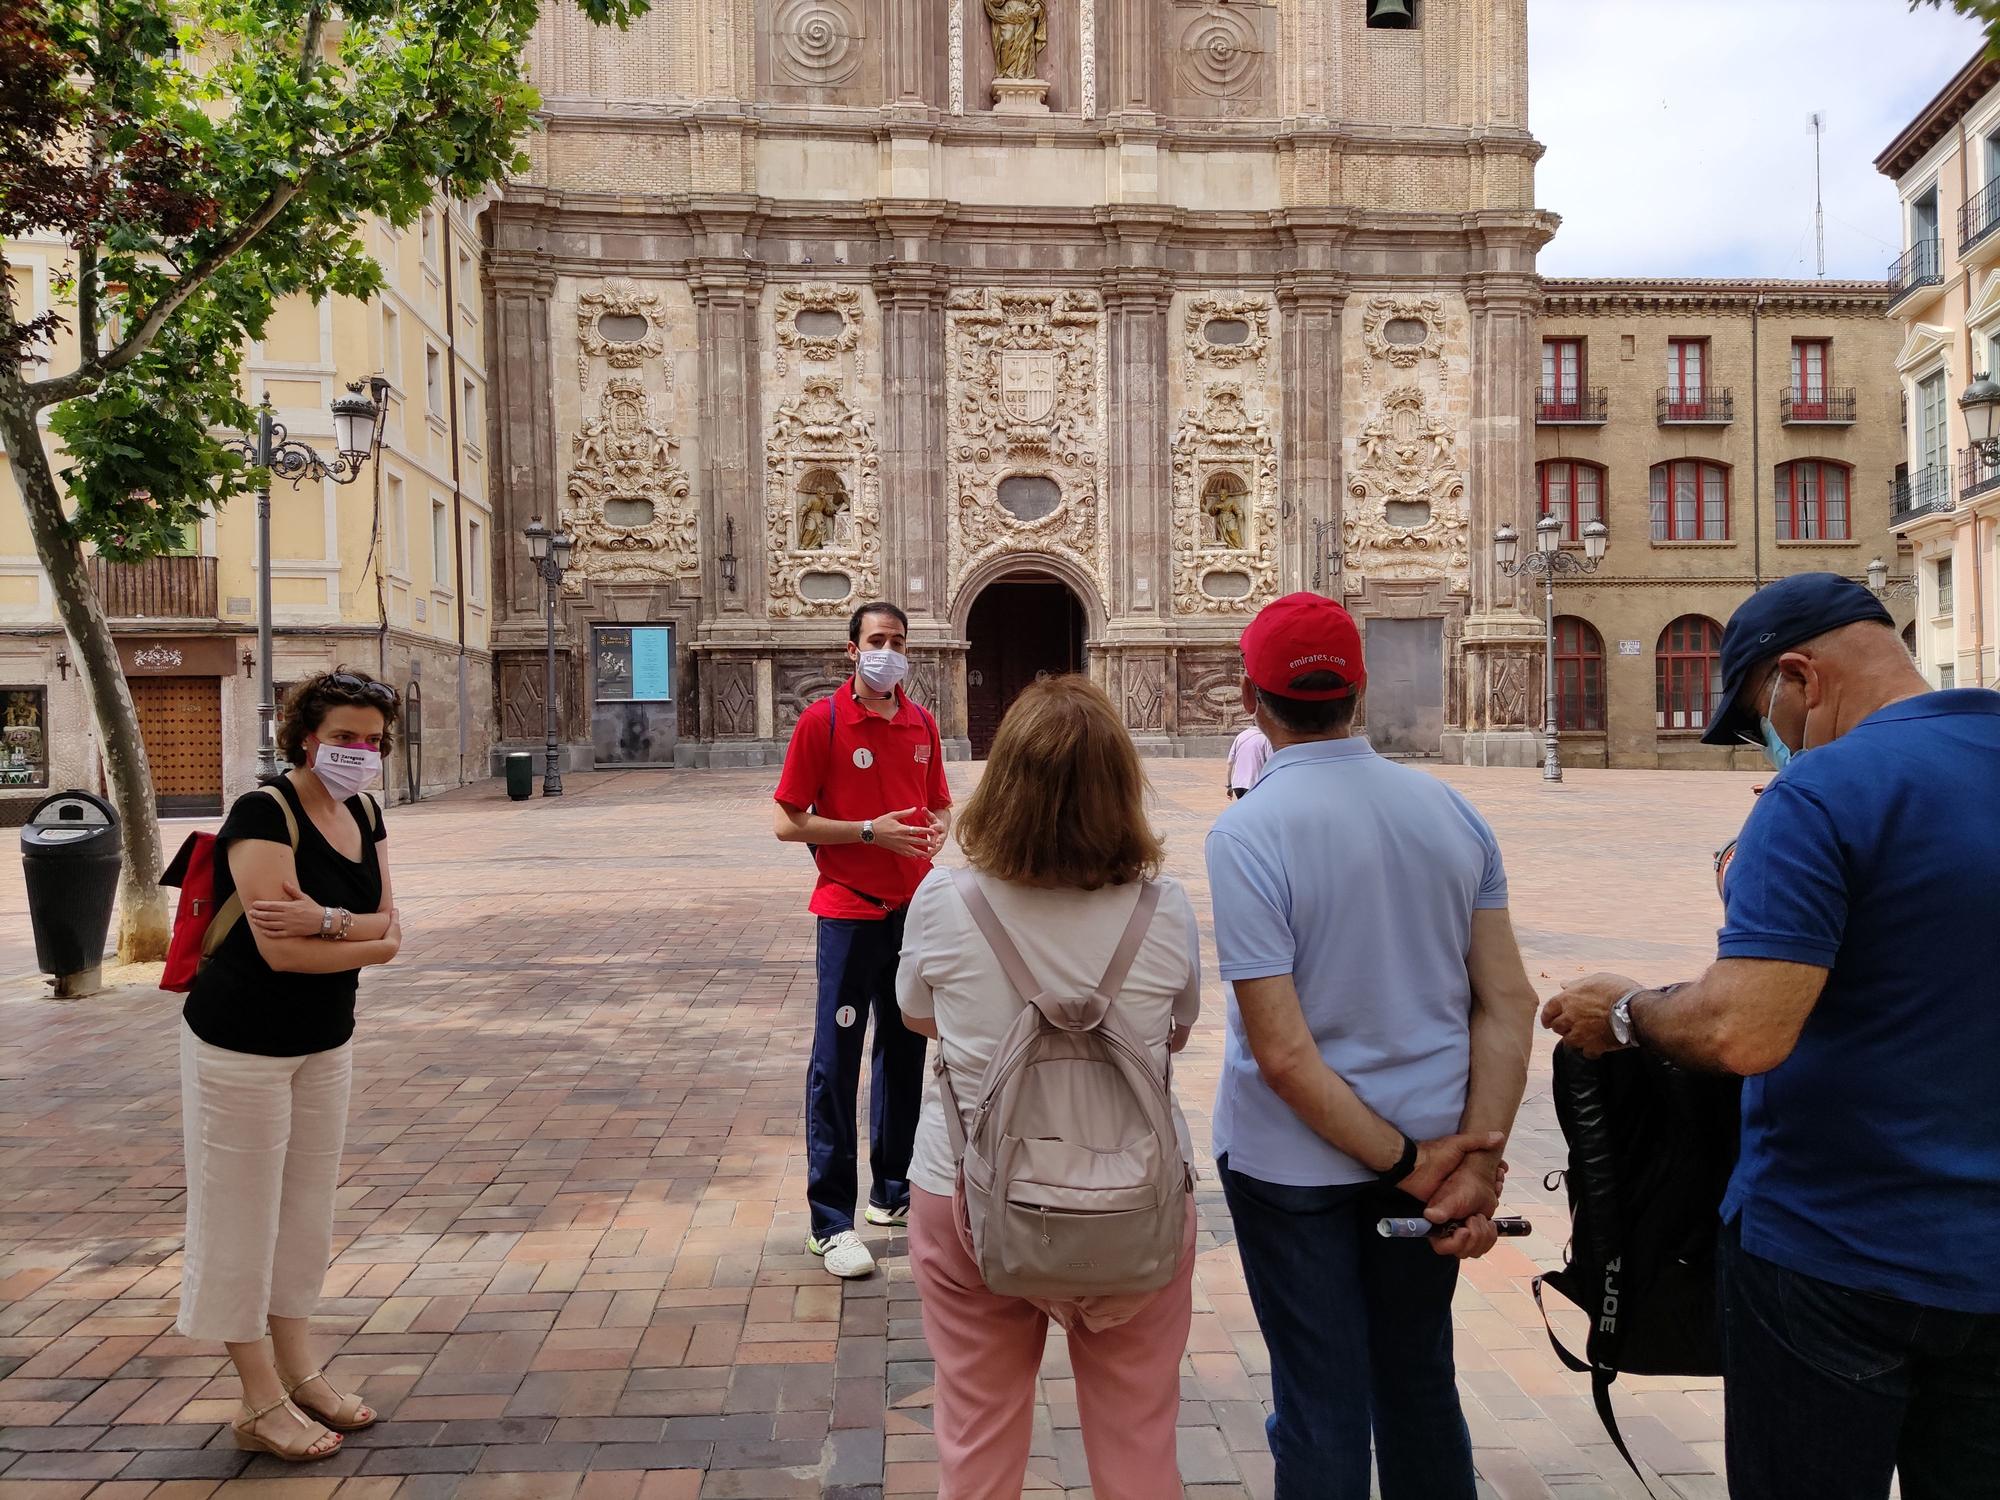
1622,1030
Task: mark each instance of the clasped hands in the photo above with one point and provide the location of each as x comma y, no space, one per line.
914,833
1458,1180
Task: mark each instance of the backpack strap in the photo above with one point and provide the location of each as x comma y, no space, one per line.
231,911
1082,1015
371,815
1600,1390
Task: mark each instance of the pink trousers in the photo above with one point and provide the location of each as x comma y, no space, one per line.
988,1350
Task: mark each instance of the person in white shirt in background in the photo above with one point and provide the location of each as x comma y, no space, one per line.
1246,761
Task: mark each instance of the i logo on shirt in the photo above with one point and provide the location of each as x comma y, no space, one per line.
864,758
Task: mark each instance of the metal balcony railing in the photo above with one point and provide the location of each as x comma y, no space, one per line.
1571,405
1923,493
1975,477
1919,266
158,588
1711,408
1979,216
1829,406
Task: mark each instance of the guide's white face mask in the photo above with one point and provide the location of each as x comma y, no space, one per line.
882,670
346,769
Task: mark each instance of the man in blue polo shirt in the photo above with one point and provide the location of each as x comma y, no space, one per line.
1857,987
1379,1025
864,788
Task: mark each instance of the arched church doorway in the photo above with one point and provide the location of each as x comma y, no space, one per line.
1024,626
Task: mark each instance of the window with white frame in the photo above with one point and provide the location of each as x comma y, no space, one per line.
468,412
1941,578
475,562
392,346
429,239
1933,430
440,546
433,381
396,523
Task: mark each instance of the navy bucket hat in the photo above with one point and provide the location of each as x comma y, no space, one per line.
1776,618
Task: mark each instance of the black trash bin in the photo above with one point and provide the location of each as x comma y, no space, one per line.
70,858
520,775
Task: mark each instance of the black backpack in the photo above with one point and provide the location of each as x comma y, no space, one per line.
1651,1149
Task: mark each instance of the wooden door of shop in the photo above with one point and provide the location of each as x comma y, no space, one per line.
180,719
1020,629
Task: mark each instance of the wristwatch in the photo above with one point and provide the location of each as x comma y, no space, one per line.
1622,1030
867,830
1405,1165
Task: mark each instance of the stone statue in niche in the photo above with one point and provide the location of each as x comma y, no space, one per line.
1222,512
1020,31
822,508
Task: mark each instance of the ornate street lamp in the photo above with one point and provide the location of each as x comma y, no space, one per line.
1546,561
1981,405
357,435
550,552
1880,586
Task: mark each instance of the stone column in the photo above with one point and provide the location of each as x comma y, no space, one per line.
526,476
912,436
1138,516
1137,57
916,51
727,300
1309,314
1504,632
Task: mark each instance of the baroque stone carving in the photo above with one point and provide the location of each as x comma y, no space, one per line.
622,300
1025,397
1219,52
734,685
1409,460
955,56
801,682
1381,312
1020,32
1146,693
1211,692
1225,506
630,510
1086,47
820,42
1253,312
1507,692
821,345
822,501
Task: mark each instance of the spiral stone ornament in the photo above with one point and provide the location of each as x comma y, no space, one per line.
1220,52
820,40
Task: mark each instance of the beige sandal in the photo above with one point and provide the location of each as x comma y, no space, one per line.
346,1414
300,1450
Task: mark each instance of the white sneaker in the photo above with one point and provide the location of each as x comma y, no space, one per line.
887,1218
844,1254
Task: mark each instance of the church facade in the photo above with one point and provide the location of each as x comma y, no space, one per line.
1079,328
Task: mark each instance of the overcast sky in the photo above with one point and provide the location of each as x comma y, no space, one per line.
1678,136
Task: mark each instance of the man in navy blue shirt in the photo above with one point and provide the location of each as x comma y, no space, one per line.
1857,988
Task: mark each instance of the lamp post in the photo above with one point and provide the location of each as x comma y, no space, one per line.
1546,561
1880,586
357,436
550,552
1981,405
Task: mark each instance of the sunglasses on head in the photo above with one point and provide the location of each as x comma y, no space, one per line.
379,692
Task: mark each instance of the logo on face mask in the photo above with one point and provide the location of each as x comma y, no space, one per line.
345,769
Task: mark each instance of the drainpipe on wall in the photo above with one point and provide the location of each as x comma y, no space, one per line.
457,492
1756,450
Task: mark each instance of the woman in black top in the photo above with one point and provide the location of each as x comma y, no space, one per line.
266,1059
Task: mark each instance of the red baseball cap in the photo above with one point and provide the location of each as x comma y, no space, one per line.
1300,634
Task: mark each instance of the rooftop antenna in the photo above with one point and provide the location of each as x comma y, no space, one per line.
1818,127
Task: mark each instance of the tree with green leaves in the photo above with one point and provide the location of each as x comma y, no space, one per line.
1985,12
201,159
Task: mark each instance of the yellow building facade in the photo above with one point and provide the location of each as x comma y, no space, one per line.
1946,288
390,574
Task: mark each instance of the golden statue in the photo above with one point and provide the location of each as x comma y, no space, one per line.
1020,31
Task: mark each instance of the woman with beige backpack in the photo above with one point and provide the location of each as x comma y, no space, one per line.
1051,1177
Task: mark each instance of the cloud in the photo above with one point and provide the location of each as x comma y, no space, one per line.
1677,133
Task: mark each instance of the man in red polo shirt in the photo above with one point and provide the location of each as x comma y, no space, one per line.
864,787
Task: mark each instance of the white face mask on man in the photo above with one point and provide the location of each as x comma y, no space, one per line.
345,769
882,670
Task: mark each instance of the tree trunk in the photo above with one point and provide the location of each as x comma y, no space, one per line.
143,927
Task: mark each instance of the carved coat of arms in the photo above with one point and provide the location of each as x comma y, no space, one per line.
1028,383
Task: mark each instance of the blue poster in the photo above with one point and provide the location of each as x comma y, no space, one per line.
652,665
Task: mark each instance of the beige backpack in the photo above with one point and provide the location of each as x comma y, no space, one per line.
1072,1172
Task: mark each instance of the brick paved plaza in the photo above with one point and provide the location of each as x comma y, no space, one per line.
569,1258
